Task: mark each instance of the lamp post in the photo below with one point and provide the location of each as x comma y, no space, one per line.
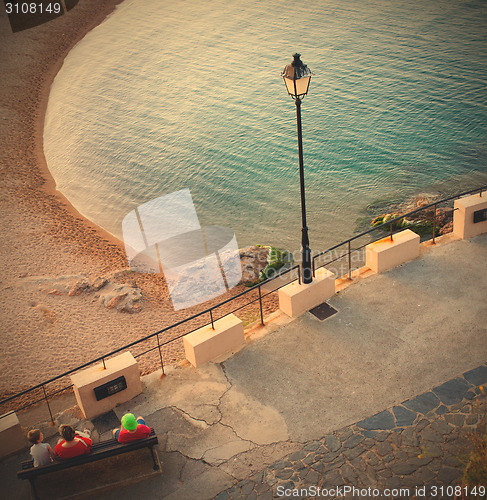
297,77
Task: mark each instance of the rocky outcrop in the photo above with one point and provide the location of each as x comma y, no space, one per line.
122,297
421,222
253,261
262,262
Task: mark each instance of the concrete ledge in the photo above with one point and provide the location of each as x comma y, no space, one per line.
296,299
85,382
206,344
12,438
463,225
386,254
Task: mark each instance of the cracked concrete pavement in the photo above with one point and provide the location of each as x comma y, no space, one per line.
307,378
395,336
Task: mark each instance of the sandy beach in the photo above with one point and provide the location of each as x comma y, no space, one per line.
44,241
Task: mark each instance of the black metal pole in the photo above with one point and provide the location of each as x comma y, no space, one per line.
305,250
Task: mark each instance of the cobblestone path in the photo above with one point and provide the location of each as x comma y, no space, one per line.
422,442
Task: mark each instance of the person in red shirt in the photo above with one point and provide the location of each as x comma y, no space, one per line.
73,443
131,429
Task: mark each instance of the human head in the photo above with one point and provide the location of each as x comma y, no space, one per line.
129,422
34,436
67,432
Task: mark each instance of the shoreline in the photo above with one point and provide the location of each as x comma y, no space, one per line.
87,25
44,238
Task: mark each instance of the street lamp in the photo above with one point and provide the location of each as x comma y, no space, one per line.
297,77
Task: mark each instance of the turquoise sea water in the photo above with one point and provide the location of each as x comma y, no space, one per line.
165,96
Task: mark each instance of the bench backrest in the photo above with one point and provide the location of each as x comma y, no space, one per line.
103,449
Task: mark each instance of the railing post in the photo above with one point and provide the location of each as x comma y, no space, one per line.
104,366
299,274
349,262
160,355
391,231
434,226
48,406
260,304
211,318
313,265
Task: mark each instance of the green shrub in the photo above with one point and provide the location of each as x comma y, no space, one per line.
476,470
276,260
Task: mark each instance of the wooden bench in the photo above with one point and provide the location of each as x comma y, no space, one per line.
99,451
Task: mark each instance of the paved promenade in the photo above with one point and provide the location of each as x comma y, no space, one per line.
384,394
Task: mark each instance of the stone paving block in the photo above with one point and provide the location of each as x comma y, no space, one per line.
332,443
477,376
395,438
404,417
344,434
246,486
333,478
329,457
353,441
429,434
382,436
432,450
318,467
442,409
456,419
421,425
284,473
449,474
313,446
312,477
385,473
409,437
369,434
442,426
453,391
336,464
222,496
380,421
424,475
384,448
310,459
353,453
348,474
372,458
423,403
297,455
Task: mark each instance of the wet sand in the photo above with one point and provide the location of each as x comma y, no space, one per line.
43,237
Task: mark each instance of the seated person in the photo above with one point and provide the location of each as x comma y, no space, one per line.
131,430
42,453
73,443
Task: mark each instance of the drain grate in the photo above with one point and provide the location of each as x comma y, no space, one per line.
323,311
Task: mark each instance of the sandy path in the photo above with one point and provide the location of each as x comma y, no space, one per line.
42,235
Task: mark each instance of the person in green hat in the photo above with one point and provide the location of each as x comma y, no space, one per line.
132,429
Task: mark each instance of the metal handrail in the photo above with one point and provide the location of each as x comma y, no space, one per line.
210,310
148,337
391,222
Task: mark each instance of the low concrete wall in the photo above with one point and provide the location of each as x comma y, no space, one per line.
206,344
463,216
386,254
295,298
85,382
12,438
